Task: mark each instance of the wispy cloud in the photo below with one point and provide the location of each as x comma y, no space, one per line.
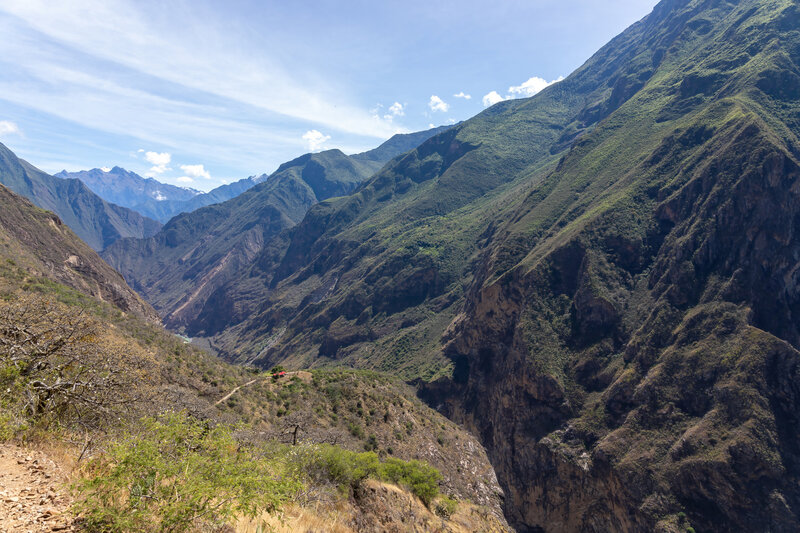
315,139
437,104
124,33
463,95
8,128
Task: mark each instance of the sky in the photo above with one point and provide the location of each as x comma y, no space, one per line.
199,93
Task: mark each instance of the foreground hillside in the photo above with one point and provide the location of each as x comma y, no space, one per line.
88,377
95,221
599,280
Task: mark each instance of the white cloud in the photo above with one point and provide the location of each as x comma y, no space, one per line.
8,128
315,139
105,169
185,179
492,98
437,104
527,89
196,171
463,95
159,162
531,87
397,109
160,159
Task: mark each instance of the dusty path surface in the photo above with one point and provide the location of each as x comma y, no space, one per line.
302,374
31,497
231,393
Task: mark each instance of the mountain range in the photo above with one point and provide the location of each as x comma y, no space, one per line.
600,280
151,198
197,252
96,221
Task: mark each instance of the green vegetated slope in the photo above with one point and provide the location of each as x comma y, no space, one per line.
638,309
603,276
94,220
80,363
374,279
195,253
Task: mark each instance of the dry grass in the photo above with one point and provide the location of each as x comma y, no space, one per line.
319,517
341,514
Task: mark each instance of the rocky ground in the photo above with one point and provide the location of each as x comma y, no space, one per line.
32,499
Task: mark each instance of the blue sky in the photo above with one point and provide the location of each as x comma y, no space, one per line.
198,93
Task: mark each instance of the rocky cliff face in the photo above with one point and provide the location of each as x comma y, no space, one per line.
638,367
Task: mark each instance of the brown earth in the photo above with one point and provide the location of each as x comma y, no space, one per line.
32,497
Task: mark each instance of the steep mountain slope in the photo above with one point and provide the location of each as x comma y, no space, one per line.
603,277
94,220
151,198
196,253
38,243
396,145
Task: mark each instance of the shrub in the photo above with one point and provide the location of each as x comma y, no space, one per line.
348,469
446,507
421,478
330,463
54,368
176,474
355,430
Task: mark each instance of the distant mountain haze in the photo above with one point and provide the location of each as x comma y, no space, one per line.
152,198
95,220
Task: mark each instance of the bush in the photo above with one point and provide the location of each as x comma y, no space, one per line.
55,369
421,478
176,474
446,507
329,463
348,469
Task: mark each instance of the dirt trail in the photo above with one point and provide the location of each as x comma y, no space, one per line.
302,374
31,497
232,392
